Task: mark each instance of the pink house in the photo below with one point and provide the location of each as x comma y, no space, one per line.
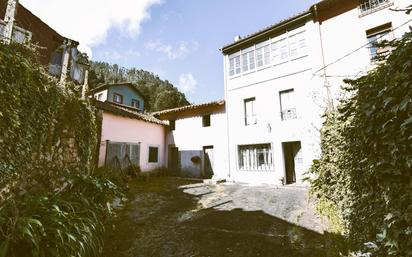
128,137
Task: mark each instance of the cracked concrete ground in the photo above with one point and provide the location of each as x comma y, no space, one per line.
178,218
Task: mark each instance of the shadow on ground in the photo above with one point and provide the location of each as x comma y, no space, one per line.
160,221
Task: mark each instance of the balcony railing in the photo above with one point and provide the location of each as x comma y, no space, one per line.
369,6
289,114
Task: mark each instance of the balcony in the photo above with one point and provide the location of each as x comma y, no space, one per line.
369,6
289,114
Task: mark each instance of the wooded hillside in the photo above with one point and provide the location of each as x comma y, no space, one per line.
160,94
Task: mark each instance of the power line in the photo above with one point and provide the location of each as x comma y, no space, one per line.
356,50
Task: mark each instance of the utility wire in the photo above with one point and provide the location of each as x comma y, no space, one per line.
356,50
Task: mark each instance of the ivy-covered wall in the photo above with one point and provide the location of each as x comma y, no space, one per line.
40,121
364,178
52,201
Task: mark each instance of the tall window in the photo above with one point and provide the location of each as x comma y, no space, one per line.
255,157
280,51
297,45
287,105
378,35
367,6
136,103
234,64
248,60
250,115
262,55
153,154
206,121
117,98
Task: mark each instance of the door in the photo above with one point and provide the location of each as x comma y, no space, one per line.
208,161
173,159
291,151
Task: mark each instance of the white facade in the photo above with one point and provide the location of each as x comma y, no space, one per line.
192,137
347,34
275,84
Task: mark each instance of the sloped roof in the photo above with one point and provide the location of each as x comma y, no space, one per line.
126,112
191,107
106,86
266,32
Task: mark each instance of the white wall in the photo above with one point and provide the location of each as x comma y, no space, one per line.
104,95
190,135
347,32
265,86
121,129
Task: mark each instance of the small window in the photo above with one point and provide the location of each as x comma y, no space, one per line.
172,124
378,35
206,120
153,154
250,116
100,96
287,105
118,98
136,103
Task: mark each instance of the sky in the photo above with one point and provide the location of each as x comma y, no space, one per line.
179,40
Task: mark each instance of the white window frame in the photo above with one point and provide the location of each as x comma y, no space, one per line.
250,118
248,157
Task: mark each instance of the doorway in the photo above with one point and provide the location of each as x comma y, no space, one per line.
173,164
208,162
291,152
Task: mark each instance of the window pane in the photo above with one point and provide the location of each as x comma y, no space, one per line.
255,157
252,60
153,154
232,66
245,64
266,51
259,57
237,64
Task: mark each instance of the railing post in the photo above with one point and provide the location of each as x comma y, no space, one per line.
9,19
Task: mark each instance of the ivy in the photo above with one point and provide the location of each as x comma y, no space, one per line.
52,201
365,169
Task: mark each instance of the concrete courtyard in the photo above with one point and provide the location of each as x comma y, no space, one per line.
177,217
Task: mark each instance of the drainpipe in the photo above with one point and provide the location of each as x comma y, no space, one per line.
329,99
9,19
65,63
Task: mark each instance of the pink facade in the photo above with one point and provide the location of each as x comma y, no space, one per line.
117,128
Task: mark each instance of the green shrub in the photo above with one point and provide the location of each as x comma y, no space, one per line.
365,170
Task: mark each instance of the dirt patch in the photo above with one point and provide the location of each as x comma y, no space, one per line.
161,220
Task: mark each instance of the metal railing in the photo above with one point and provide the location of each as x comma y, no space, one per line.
289,114
368,6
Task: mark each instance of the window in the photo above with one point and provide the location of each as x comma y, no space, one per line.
232,66
262,55
248,60
100,96
255,157
172,124
287,105
136,103
297,45
378,35
237,65
118,98
280,51
153,154
206,121
250,116
368,6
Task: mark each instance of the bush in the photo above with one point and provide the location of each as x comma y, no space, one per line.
365,167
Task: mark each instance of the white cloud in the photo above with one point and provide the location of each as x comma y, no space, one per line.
187,83
88,21
179,51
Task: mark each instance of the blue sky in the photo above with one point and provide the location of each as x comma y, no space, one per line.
177,39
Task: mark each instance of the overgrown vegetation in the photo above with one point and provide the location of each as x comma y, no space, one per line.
52,202
160,95
364,177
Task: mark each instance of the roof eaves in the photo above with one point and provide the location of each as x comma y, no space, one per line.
265,32
189,107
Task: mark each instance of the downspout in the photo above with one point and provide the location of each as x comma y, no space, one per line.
329,99
227,115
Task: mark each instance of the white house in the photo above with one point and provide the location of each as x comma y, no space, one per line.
196,140
279,81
